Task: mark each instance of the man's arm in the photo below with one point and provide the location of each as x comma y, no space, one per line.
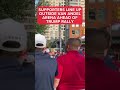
56,82
59,73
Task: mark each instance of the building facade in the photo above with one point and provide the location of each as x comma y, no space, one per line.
98,13
55,30
29,18
103,13
78,30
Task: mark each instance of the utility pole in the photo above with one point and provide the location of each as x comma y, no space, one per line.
66,26
60,41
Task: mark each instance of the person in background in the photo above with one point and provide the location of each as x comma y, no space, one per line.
46,50
13,40
82,50
71,68
23,56
101,73
45,67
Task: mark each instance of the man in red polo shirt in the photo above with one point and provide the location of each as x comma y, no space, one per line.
71,68
101,73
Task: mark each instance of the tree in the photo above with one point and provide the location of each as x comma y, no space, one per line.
39,27
56,43
44,3
14,9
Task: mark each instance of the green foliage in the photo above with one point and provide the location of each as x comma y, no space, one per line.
39,27
14,9
56,43
44,3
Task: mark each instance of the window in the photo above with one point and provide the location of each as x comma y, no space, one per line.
73,31
63,25
62,2
51,32
77,25
83,24
92,14
73,25
63,33
92,1
56,33
50,26
55,37
62,28
77,32
101,14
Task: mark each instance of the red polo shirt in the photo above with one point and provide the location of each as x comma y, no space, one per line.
101,77
71,71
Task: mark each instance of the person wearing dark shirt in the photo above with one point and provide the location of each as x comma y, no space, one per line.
13,74
45,67
71,68
101,73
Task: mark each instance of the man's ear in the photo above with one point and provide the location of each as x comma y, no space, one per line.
79,48
68,46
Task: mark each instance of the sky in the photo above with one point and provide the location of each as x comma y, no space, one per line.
36,1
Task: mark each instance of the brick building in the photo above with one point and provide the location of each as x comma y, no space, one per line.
78,30
100,13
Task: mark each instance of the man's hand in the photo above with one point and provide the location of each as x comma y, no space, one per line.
56,83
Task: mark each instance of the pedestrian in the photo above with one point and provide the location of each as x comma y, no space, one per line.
100,76
45,66
23,55
13,40
82,50
71,68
